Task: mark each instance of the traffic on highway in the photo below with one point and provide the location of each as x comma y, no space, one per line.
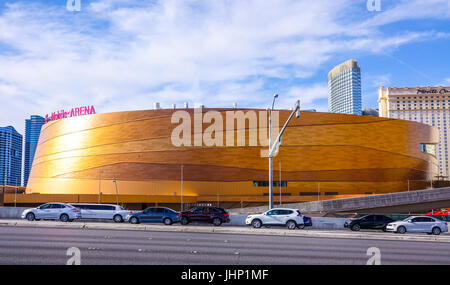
282,217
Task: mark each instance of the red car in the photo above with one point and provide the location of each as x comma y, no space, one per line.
443,212
213,215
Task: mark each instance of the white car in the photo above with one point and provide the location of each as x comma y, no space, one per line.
418,224
291,218
52,211
102,211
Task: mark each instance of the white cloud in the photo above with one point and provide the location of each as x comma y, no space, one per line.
410,10
124,54
311,97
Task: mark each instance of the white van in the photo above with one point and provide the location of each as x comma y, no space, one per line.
102,211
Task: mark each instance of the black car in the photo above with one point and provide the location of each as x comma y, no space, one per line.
376,222
307,221
214,215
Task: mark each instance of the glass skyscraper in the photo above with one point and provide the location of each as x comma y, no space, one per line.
32,131
10,156
344,87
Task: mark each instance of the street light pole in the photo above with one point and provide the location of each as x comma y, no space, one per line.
273,148
280,183
431,175
117,191
318,191
182,188
99,185
15,195
271,157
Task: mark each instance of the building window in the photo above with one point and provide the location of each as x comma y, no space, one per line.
278,194
428,148
266,183
309,193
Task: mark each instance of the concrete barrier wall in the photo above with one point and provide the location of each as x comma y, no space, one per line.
362,203
11,212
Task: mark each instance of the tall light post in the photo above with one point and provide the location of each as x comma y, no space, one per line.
273,148
117,191
431,175
280,183
15,195
3,197
271,156
182,166
318,191
99,186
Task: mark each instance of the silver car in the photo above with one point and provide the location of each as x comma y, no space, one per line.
102,211
291,218
52,211
418,224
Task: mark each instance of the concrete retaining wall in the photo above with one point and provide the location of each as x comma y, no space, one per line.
411,199
11,212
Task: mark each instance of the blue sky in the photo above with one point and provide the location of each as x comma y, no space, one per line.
125,55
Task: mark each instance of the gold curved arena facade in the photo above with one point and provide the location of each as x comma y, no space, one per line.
334,155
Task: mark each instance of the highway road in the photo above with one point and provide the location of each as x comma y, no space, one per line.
40,245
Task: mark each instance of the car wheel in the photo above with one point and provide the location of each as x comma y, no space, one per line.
301,226
167,221
217,222
291,225
134,220
401,230
256,223
436,231
184,221
30,217
118,219
356,228
384,229
64,218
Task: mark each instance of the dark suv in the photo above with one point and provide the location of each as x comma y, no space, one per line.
213,215
369,222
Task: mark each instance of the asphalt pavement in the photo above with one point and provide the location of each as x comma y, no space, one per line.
44,245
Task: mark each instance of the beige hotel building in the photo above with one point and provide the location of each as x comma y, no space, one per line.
428,105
